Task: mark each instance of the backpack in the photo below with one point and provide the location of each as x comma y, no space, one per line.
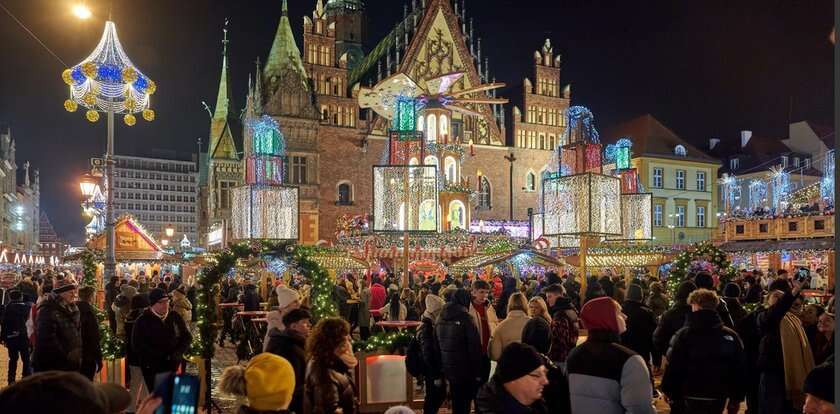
414,357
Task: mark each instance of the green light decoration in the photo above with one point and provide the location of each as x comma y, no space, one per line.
623,154
385,341
405,113
703,251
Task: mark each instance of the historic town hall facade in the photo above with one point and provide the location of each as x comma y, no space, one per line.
332,144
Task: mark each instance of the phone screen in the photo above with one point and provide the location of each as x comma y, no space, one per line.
178,392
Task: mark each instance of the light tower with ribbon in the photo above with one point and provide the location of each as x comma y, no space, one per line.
107,81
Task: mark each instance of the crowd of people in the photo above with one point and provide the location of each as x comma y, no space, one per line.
495,344
51,324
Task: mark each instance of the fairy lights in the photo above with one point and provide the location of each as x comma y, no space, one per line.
636,209
827,182
264,212
781,186
394,188
107,81
758,194
586,203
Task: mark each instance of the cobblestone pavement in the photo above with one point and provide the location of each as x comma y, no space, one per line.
226,357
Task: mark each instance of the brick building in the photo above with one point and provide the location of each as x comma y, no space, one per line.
332,144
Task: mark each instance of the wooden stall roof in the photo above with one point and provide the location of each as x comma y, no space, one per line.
494,258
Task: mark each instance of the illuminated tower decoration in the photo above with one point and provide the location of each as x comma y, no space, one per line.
420,149
827,182
264,208
636,207
758,194
582,152
781,187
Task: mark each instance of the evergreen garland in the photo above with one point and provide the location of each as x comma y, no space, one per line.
387,341
112,346
705,251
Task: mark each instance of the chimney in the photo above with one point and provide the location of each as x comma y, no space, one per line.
713,143
745,138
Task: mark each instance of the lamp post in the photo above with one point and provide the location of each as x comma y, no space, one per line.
511,158
106,81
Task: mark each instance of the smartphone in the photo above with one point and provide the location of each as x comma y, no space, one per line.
178,392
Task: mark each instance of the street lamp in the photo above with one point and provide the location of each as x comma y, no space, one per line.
88,185
106,81
169,231
82,11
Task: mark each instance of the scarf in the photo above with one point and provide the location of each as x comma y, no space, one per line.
798,360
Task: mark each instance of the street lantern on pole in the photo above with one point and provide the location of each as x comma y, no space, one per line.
88,185
107,81
169,231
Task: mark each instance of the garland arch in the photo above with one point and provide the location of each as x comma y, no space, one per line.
702,256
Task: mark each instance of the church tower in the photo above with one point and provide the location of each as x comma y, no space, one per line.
542,125
224,169
350,28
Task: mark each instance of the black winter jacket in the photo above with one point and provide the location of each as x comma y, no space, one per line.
537,333
130,354
290,345
430,350
494,399
13,327
770,347
459,343
58,341
91,349
251,299
705,360
640,326
736,310
671,321
160,343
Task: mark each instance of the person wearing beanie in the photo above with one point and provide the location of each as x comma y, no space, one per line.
433,375
706,361
287,299
619,381
518,384
819,390
785,356
732,300
267,382
13,334
640,323
673,319
91,349
460,351
58,339
290,344
159,337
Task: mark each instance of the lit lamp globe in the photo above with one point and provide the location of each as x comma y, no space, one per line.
164,242
169,232
88,185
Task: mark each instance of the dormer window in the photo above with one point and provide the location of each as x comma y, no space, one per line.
733,164
679,151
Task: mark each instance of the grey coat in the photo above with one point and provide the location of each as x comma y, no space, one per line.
364,308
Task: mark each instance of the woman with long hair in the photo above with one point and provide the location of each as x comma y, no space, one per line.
510,329
394,309
537,332
328,386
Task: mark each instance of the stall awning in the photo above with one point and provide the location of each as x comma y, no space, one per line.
339,262
778,245
620,259
519,256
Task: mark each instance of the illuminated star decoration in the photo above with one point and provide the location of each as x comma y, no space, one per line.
781,186
107,81
382,97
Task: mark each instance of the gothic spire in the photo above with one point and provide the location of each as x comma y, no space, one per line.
223,98
284,52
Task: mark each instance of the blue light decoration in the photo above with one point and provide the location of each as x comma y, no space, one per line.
728,185
264,161
622,154
758,194
580,126
781,187
277,266
827,182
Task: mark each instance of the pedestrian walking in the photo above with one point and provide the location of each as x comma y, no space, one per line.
159,337
537,332
460,351
510,329
640,324
564,324
517,385
13,334
89,323
433,379
58,340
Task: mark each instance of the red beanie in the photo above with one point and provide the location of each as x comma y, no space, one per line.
599,314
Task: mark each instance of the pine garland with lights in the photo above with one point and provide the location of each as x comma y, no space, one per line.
89,258
387,341
705,251
113,347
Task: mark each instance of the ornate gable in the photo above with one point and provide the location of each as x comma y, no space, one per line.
438,48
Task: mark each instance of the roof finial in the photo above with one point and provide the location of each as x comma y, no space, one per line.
285,8
224,37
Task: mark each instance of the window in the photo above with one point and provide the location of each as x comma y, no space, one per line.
298,175
530,181
430,160
739,229
680,218
733,164
763,227
784,161
657,215
795,161
431,129
484,193
680,179
701,216
451,169
345,197
657,177
701,181
819,224
793,226
679,151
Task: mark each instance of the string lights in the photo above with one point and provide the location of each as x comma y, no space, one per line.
399,205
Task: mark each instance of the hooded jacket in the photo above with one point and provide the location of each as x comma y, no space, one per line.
673,319
702,350
58,340
618,383
459,341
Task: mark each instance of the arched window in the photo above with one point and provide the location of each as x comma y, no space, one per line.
427,215
679,150
431,129
345,194
430,160
444,125
451,168
420,122
530,181
457,215
484,193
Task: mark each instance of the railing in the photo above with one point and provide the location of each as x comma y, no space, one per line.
780,228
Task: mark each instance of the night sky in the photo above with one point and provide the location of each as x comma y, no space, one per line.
704,68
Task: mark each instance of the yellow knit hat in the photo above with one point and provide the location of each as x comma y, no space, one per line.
270,382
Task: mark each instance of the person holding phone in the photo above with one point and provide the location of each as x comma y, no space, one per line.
159,338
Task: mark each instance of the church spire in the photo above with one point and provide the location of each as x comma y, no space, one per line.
284,52
223,99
